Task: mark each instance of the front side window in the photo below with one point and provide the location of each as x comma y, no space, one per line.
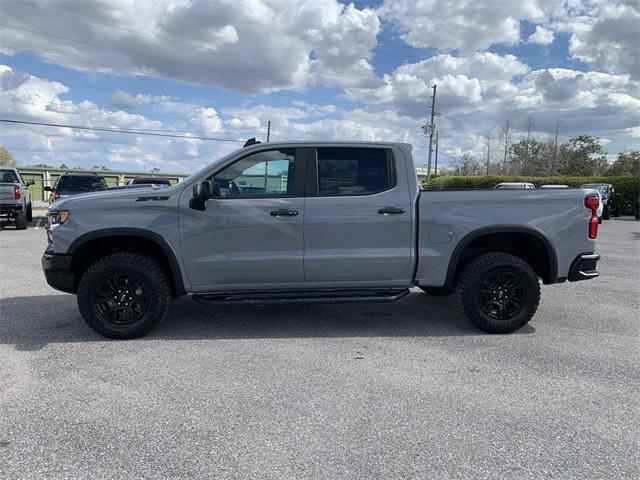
262,174
354,171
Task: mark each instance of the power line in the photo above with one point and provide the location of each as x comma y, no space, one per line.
115,130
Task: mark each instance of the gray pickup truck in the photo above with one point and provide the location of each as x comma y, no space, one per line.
311,222
15,199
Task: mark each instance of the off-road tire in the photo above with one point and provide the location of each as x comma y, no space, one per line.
29,213
438,291
147,272
21,220
606,213
475,275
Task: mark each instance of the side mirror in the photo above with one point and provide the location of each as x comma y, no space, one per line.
48,189
30,182
201,193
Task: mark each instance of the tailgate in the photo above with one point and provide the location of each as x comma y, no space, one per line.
7,193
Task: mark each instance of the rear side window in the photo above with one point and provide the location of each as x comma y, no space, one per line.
354,171
80,183
8,176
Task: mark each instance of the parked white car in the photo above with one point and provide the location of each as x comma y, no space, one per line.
514,185
554,186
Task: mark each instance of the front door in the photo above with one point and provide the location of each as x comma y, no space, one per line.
358,217
250,235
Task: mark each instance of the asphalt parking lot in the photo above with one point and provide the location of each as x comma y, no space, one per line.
403,390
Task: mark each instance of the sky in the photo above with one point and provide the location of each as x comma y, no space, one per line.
216,71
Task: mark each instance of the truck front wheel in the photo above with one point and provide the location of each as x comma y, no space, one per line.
498,292
124,295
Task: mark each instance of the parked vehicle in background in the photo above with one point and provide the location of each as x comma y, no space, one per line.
149,181
554,186
600,210
332,222
73,183
514,185
610,200
15,198
637,209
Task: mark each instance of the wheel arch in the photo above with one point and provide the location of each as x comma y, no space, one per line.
512,239
96,244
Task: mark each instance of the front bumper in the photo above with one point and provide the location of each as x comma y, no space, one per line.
584,267
57,271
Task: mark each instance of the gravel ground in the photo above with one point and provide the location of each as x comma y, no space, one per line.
403,390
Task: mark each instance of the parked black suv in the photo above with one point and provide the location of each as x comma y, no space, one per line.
75,183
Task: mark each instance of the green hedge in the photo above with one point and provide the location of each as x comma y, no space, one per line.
627,187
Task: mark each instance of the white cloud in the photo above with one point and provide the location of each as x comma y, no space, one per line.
541,36
607,37
125,101
465,25
248,46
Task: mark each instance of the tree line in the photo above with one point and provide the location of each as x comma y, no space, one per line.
582,155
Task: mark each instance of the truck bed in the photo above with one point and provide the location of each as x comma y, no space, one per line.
450,219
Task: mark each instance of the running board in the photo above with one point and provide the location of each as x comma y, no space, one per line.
291,297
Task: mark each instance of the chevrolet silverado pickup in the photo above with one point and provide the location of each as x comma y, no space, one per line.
291,223
15,199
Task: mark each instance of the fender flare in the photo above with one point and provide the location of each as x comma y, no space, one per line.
176,273
481,232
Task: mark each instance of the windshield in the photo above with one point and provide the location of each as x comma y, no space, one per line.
207,167
81,183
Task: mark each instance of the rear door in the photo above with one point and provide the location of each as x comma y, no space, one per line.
250,235
358,222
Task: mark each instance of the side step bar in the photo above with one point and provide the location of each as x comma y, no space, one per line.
311,296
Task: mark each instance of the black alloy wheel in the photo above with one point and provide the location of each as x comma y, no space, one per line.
502,295
121,299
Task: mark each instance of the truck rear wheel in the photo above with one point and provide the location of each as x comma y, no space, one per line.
498,292
21,220
606,213
124,295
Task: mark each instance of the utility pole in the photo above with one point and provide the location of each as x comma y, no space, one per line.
554,156
506,147
528,146
268,131
431,129
435,170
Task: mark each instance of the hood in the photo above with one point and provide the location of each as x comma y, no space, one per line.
129,191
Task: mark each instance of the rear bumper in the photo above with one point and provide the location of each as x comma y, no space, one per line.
57,271
584,267
10,209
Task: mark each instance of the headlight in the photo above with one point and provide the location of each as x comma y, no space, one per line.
58,217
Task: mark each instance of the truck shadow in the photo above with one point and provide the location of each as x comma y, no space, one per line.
30,323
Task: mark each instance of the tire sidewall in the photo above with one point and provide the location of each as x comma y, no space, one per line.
91,280
469,295
519,318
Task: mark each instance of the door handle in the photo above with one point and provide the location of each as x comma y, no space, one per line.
284,212
391,211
